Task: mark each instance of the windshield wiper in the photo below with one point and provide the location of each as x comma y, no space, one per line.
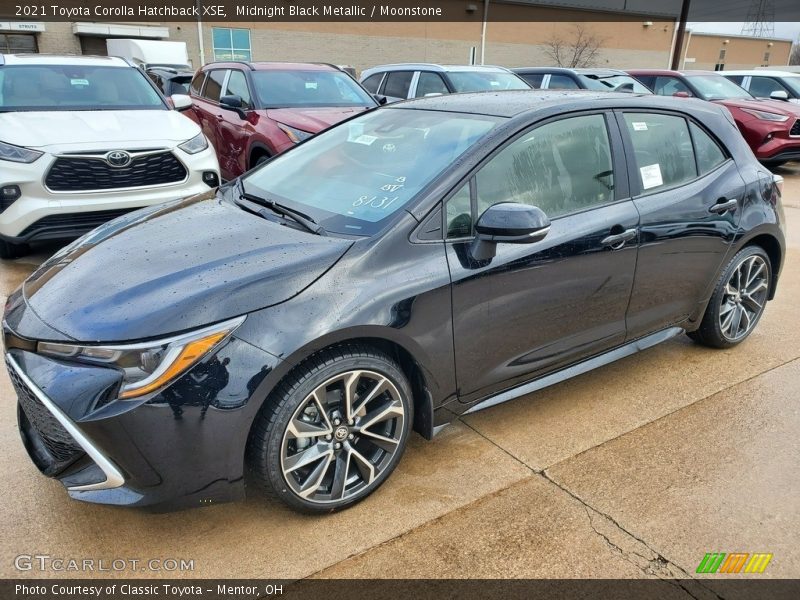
284,211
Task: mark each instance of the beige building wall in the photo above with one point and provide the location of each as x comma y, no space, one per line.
703,51
58,39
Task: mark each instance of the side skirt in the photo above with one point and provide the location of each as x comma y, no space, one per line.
578,369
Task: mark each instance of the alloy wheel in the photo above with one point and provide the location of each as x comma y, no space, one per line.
744,298
342,436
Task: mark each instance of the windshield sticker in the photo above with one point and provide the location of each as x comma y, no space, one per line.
651,176
639,126
365,139
79,82
311,85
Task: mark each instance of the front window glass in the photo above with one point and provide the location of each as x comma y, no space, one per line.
762,87
353,177
76,87
237,86
793,83
716,87
289,89
482,81
561,167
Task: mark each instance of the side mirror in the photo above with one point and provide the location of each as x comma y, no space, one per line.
682,95
380,99
181,101
508,223
233,103
779,95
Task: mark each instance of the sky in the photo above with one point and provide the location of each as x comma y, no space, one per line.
786,30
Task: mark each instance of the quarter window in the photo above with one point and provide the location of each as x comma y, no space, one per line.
562,82
231,44
561,167
663,150
533,79
237,86
397,84
709,154
459,214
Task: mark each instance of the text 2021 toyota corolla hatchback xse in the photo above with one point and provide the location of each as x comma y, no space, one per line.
407,266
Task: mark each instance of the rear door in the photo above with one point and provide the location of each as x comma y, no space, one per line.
206,107
689,194
233,132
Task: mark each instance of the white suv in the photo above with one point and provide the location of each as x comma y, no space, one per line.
86,139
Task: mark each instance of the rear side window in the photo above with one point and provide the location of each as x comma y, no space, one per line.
397,84
533,79
663,150
562,82
197,83
430,83
562,167
709,154
372,83
237,86
213,88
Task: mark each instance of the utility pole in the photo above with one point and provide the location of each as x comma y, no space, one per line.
677,51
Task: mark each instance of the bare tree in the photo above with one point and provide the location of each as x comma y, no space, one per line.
794,57
581,49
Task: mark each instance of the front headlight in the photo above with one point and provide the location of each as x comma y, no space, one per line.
18,153
296,135
149,366
197,144
766,116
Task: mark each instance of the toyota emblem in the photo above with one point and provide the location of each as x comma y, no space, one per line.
118,158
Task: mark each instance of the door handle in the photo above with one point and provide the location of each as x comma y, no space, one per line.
722,206
618,240
220,118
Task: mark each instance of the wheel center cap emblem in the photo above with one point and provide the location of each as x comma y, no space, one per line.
118,158
341,433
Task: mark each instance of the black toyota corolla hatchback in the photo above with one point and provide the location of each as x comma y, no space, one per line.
407,266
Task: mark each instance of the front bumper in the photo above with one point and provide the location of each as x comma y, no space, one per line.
40,214
182,446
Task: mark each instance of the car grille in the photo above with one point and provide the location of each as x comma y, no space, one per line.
795,128
80,174
69,225
63,448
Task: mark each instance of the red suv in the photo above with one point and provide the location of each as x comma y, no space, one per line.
253,111
771,127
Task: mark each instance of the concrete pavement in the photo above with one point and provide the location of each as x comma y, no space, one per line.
634,470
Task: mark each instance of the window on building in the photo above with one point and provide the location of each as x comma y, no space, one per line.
231,44
766,57
14,43
722,55
663,150
719,67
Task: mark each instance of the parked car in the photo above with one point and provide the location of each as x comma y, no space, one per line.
411,80
559,78
85,139
771,127
254,111
777,85
171,81
415,263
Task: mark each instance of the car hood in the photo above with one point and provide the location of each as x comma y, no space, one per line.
312,120
96,130
776,106
173,268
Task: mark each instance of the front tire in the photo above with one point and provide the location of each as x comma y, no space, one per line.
334,430
738,300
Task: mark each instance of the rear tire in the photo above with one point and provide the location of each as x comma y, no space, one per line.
738,300
333,431
9,250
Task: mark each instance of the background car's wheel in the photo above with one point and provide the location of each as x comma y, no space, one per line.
334,430
738,300
260,160
9,250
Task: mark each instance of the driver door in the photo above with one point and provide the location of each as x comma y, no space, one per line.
533,308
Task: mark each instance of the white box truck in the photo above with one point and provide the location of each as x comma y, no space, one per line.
151,53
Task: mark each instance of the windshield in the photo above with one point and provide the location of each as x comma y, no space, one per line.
481,81
619,83
76,87
353,177
716,87
287,89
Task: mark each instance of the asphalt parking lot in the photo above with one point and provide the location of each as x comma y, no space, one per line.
634,470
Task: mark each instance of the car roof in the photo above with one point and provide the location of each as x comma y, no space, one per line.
271,66
63,59
669,72
437,68
510,104
602,71
761,73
